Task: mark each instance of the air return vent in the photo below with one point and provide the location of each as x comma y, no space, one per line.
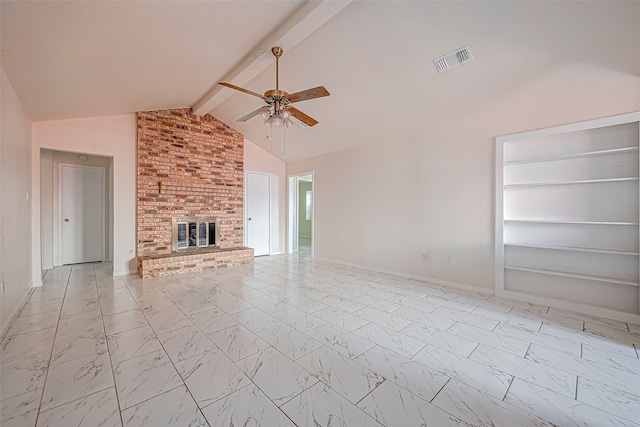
452,59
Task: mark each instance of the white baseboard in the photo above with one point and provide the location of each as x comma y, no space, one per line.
447,283
17,309
571,306
519,296
124,273
277,253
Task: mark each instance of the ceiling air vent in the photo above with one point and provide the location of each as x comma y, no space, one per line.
452,59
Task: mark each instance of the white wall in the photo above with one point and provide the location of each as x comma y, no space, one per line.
110,136
383,205
46,209
15,203
258,160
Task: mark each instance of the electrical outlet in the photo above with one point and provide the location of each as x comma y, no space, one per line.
452,259
428,257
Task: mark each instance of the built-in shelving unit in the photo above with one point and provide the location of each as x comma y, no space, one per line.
567,215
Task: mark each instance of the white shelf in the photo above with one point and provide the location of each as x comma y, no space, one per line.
574,156
545,221
572,248
567,202
585,181
571,275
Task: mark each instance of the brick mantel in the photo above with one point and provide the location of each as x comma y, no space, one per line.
188,166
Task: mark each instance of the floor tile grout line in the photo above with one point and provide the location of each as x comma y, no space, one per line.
428,368
153,397
202,408
513,378
488,395
576,375
573,355
328,386
439,390
259,388
53,343
30,292
78,398
113,374
601,408
368,393
541,366
28,331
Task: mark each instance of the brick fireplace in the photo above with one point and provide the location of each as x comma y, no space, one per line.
191,167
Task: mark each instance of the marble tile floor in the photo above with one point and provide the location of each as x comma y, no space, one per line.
292,341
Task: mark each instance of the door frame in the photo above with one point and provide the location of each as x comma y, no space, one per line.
58,211
246,211
293,190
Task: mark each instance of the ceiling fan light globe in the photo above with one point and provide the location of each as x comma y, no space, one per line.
276,120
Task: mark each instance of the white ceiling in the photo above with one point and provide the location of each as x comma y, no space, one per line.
80,59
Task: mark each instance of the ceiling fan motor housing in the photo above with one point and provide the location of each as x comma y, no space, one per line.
275,93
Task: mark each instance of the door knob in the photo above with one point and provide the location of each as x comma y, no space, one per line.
248,219
66,220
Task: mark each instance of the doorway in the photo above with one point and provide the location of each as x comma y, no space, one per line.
257,213
93,232
301,209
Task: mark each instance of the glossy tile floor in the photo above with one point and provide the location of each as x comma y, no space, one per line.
293,341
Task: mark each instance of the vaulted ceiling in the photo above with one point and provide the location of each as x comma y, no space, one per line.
69,59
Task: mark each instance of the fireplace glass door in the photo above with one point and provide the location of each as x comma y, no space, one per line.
182,235
188,233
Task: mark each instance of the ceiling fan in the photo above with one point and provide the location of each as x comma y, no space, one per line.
278,111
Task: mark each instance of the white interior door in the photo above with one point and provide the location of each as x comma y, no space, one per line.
257,213
82,213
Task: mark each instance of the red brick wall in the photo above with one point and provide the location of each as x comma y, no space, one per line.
188,166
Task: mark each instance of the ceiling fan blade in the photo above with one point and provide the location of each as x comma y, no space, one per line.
253,114
316,92
307,120
229,85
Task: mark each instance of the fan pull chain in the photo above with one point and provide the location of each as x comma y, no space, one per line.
271,138
284,142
